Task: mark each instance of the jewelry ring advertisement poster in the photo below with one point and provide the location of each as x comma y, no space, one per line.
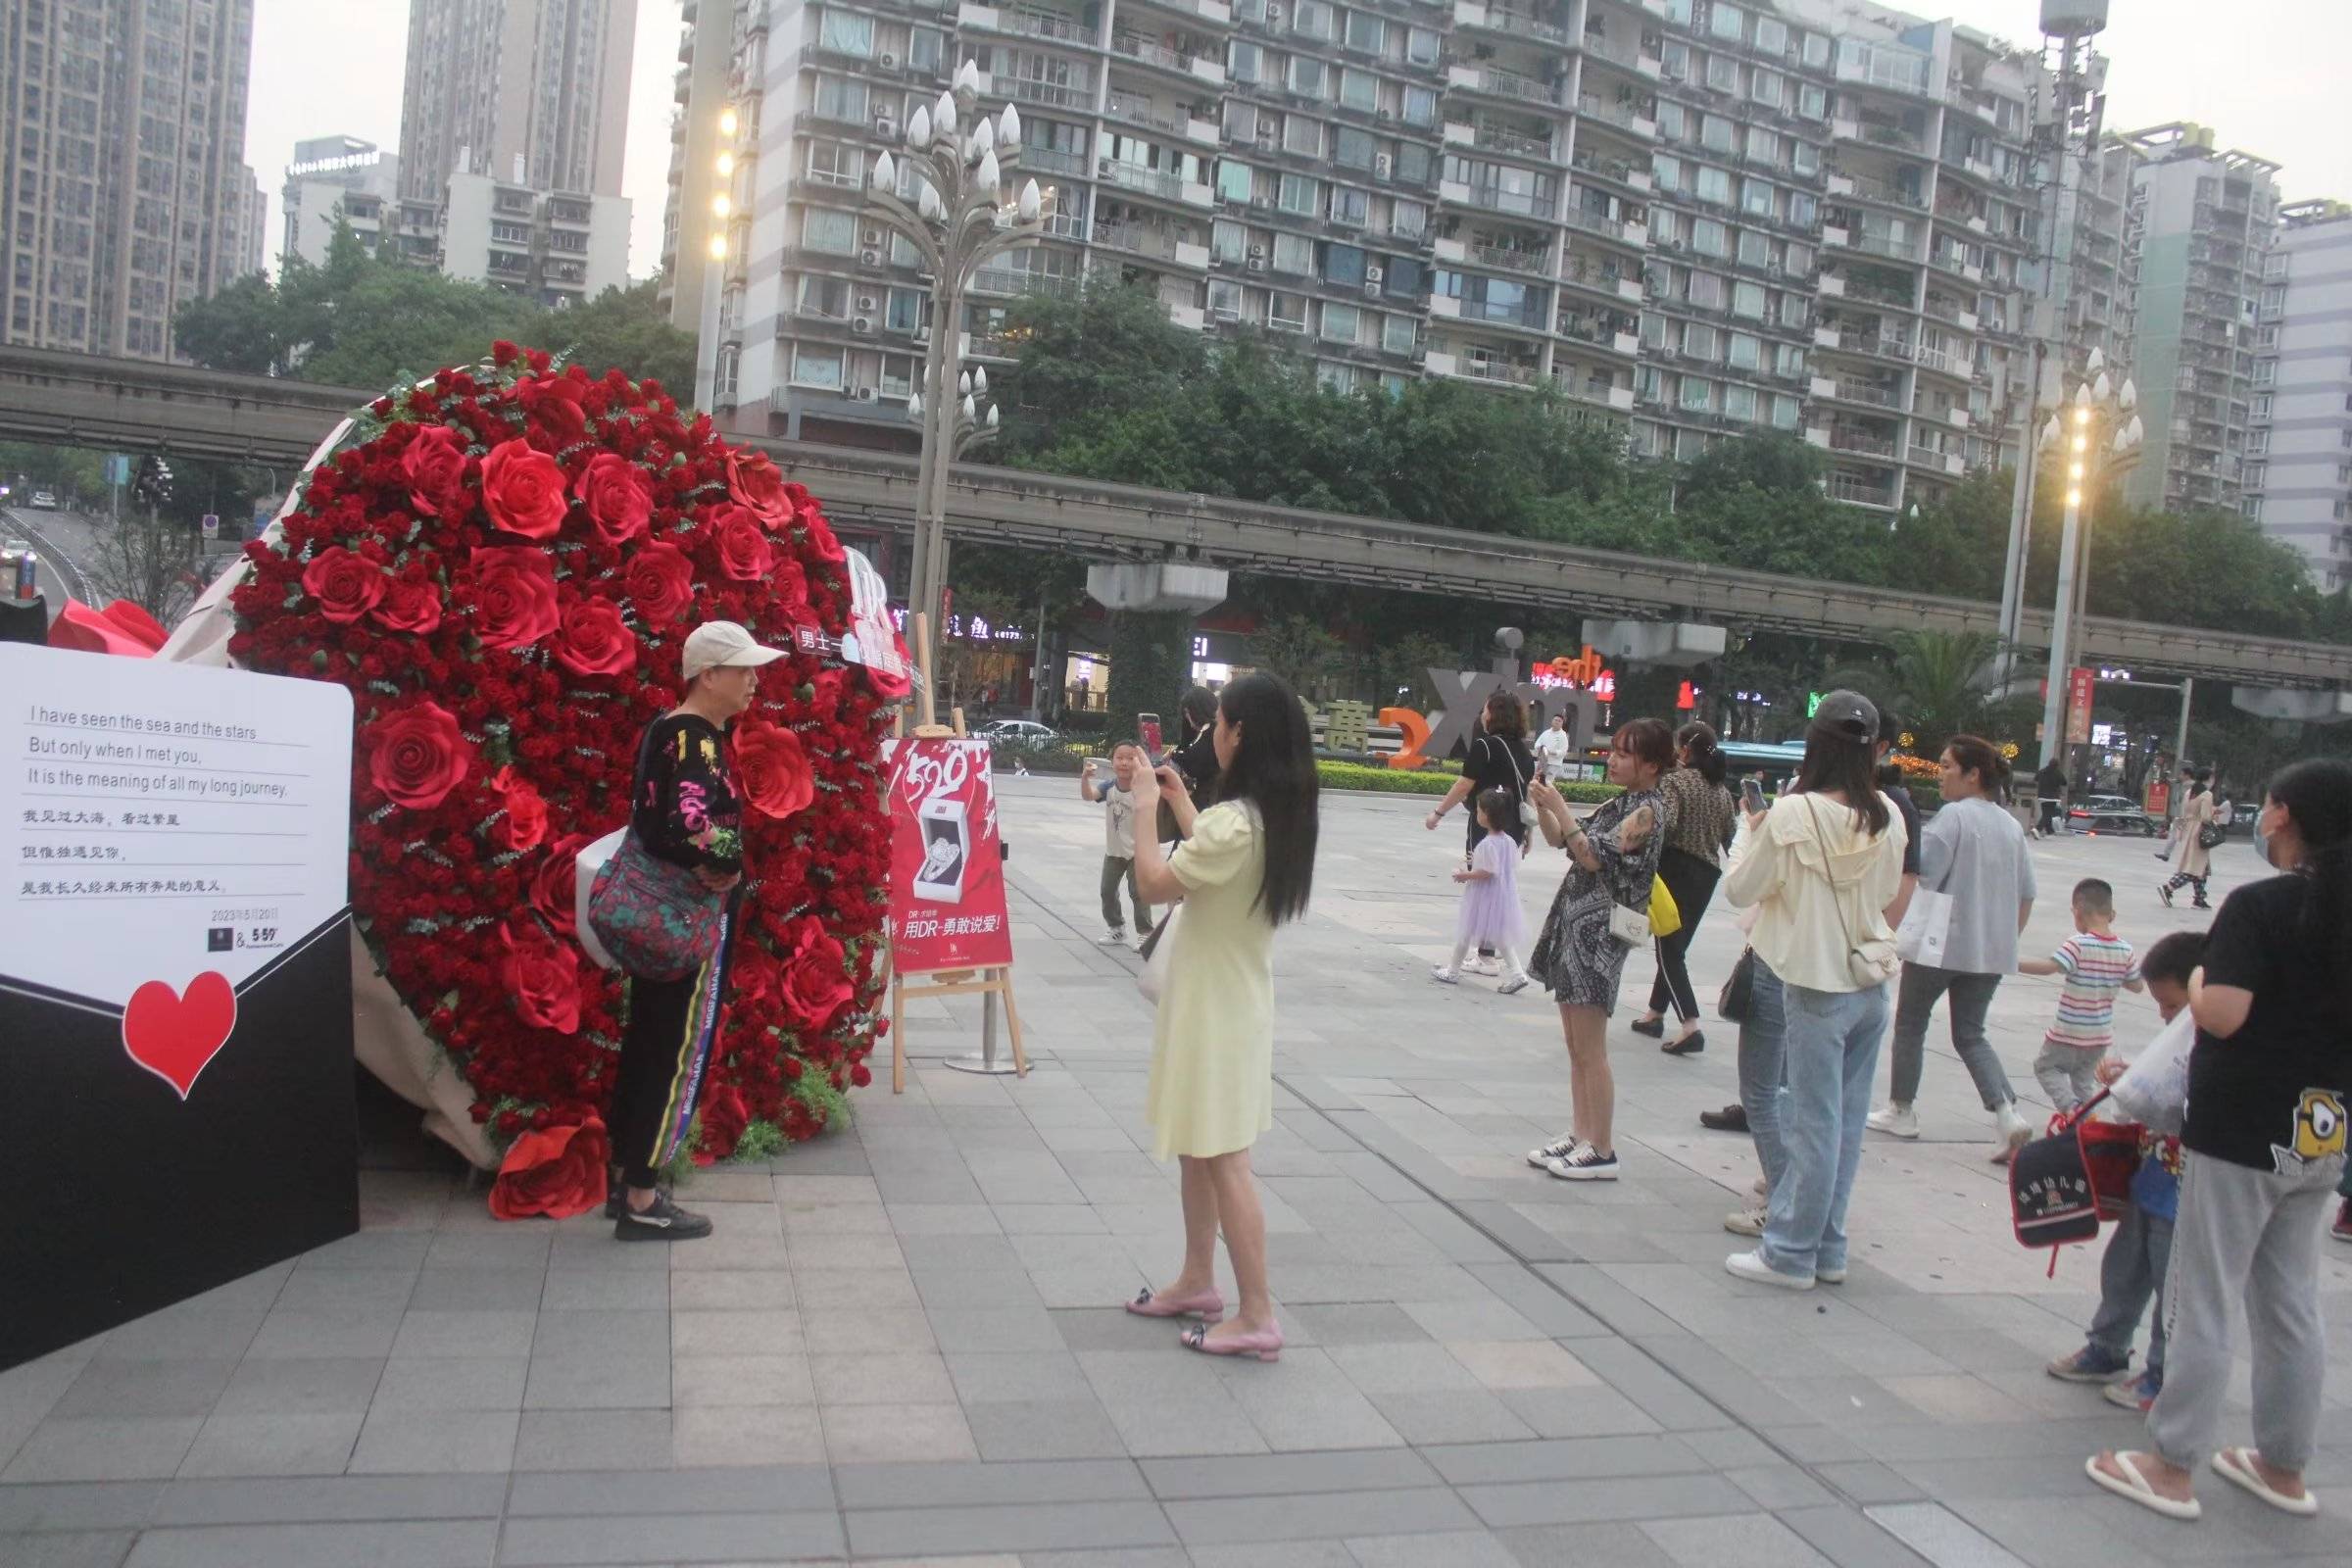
947,864
175,1055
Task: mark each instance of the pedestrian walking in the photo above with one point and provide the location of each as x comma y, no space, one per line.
1123,799
1498,759
1552,747
1245,866
1613,859
2095,964
1823,865
1974,854
2049,792
1490,916
2270,1081
684,811
2195,863
1699,816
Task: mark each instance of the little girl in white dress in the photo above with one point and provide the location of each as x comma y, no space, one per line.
1491,916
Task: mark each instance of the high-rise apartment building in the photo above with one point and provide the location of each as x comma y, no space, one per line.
2205,230
1699,218
337,178
529,92
2299,448
121,141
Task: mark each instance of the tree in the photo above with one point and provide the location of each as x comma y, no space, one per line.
156,562
1298,650
622,327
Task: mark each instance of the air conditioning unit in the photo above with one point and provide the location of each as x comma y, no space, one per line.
1273,16
1382,163
863,394
865,302
1374,275
1258,252
886,128
1371,289
1102,167
1257,264
874,237
870,258
863,325
890,62
1385,114
922,333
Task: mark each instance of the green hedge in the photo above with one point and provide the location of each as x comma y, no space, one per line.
1396,781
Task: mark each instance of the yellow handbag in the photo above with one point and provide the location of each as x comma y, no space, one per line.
1665,916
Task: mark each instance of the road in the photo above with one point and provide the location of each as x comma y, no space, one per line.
65,543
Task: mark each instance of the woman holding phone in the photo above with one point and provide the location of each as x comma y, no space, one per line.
1245,866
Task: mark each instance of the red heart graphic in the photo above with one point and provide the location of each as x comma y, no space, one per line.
176,1037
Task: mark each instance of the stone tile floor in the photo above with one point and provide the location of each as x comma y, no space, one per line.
904,1342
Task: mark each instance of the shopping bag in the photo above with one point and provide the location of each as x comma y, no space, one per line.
1665,915
1927,927
2154,1090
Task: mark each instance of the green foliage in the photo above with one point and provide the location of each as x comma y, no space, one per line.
1429,781
1151,667
1298,650
762,1140
828,1104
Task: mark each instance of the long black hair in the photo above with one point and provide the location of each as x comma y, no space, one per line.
1706,752
1196,709
2317,795
1839,761
1273,769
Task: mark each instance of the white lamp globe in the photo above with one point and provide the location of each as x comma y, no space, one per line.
918,129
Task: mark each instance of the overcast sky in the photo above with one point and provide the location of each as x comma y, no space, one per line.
2267,74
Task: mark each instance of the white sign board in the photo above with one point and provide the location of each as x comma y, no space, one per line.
161,821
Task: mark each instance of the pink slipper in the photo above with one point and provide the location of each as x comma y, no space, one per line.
1206,1304
1265,1344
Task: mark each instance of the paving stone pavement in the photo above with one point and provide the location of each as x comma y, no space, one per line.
904,1342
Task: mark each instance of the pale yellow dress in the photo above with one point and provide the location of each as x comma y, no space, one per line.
1212,1038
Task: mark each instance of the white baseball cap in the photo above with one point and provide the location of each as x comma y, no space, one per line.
723,643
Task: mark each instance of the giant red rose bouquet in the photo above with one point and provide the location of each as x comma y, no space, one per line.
502,568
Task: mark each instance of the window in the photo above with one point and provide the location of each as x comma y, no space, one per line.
1706,292
2259,441
1407,220
846,32
1723,73
839,98
2262,405
1748,298
1300,195
1698,396
1308,76
816,368
1287,312
1415,164
1351,206
1763,146
1359,90
1792,311
1772,35
1228,241
2266,371
1744,353
1812,102
1244,60
1224,299
1396,334
1241,119
1351,148
1715,133
1788,360
1342,323
905,310
1804,157
1726,21
1756,198
1783,413
1699,341
1420,106
1671,122
1666,172
1709,237
924,46
1755,249
1233,180
1422,46
825,297
833,232
897,375
1712,185
832,164
1312,19
1303,134
1803,210
1344,265
1367,33
1739,401
1294,254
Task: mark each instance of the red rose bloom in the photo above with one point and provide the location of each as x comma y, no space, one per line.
541,975
552,405
415,755
554,891
791,586
434,466
556,1171
743,549
812,518
724,1116
410,605
753,480
618,495
345,586
523,490
660,581
513,595
524,826
771,769
592,640
816,977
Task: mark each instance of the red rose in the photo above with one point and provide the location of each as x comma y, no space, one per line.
754,481
415,755
541,974
513,595
523,490
790,584
434,466
411,605
618,495
815,978
772,770
553,404
660,581
812,518
525,824
554,891
724,1116
743,550
345,586
592,640
557,1171
859,1076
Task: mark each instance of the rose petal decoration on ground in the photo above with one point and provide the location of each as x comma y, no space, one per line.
502,568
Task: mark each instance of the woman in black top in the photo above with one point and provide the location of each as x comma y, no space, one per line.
2269,1085
1497,759
683,808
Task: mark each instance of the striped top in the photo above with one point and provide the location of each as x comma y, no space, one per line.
2095,965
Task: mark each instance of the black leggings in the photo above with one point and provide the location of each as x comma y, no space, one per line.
1691,881
664,1057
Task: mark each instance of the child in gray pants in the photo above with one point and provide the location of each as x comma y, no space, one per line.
1125,813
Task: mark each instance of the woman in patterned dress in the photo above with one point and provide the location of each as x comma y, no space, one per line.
1615,856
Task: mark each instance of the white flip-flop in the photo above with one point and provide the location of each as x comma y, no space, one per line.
2232,1465
2133,1487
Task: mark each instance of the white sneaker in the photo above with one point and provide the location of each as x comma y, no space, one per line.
1896,1121
1748,1266
1484,964
1830,1276
1744,1222
2013,1132
1445,976
1559,1148
1514,985
1115,937
1584,1163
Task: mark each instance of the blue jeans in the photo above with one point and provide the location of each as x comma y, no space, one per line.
1763,1051
1832,1054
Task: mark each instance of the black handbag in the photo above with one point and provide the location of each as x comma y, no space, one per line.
1738,989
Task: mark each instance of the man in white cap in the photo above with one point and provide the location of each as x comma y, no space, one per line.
685,812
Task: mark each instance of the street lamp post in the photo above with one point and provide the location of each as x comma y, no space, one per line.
723,209
2095,430
964,215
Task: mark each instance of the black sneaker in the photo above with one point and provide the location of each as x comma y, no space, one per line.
663,1221
616,1194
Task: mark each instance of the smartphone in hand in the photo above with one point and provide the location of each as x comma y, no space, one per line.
1751,796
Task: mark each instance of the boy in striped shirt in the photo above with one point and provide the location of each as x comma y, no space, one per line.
2094,963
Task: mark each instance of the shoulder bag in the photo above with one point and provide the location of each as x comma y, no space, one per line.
1152,977
654,920
2209,836
1527,816
1738,989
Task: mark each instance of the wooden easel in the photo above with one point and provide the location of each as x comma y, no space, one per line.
991,983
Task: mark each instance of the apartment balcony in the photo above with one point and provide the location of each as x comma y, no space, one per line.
1158,184
1619,52
1945,310
1513,318
1927,457
1494,199
1157,244
1869,188
1618,336
1619,283
1598,390
1019,280
1495,373
1045,94
1489,81
1862,443
1949,259
1217,13
1030,22
1129,108
1498,258
1633,235
1876,133
1600,169
1625,117
1857,490
1488,136
1206,65
1054,161
1472,17
1866,394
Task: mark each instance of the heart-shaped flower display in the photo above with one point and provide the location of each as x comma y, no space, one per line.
502,568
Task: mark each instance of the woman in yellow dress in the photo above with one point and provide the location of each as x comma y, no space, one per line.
1245,867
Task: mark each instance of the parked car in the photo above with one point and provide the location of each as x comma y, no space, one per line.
2113,813
43,501
1025,734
